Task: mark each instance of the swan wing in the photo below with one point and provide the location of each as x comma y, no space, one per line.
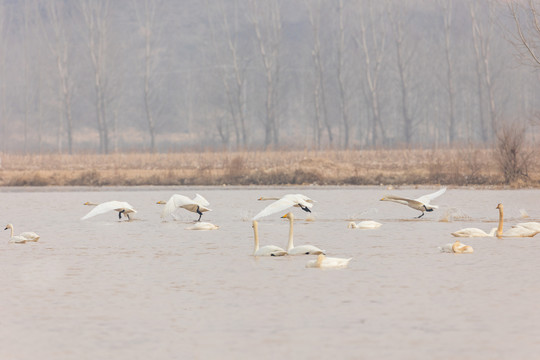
282,204
175,202
470,232
447,248
415,204
304,198
108,206
270,250
335,262
520,232
299,200
368,224
29,236
529,225
305,250
427,198
199,200
203,226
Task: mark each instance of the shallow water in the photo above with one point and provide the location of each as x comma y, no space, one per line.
103,288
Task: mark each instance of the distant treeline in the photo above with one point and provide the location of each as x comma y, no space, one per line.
105,76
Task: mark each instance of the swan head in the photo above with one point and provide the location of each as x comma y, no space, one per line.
8,226
351,225
161,202
499,206
88,203
288,215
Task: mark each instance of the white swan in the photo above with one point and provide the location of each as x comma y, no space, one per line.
421,204
121,206
474,232
515,231
285,202
197,205
456,247
302,249
203,226
368,224
268,250
328,262
22,237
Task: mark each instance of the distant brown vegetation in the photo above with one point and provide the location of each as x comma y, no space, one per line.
467,166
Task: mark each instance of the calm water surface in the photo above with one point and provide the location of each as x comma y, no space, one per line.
149,289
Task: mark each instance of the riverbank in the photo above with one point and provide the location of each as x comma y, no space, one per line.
459,167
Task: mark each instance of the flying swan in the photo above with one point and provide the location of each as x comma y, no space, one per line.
457,248
368,224
421,204
517,231
328,262
197,205
285,202
268,250
22,237
121,206
302,249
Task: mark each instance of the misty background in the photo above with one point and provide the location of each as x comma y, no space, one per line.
154,75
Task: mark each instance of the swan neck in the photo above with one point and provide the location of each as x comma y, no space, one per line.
256,235
500,228
268,198
11,228
290,244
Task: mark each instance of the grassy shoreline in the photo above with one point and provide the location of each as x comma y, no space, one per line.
458,167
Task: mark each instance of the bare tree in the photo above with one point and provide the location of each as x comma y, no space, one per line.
4,23
59,46
343,96
151,28
266,20
96,16
447,9
482,33
232,68
404,53
527,37
319,90
372,42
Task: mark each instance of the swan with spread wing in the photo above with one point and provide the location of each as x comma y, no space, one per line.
421,204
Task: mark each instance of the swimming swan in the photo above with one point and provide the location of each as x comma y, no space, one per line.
197,205
22,237
328,262
474,232
203,226
268,250
285,202
302,249
457,248
515,231
368,224
121,206
420,204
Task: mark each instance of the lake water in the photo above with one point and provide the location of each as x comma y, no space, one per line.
149,289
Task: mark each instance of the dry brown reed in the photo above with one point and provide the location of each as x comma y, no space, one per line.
467,166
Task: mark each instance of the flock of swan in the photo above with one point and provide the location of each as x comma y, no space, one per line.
200,205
